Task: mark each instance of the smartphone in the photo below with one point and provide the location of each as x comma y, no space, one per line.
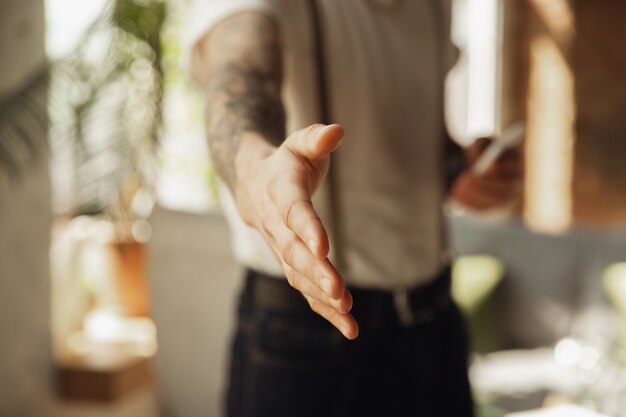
509,139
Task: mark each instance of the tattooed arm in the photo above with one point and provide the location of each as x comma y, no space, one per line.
271,178
243,74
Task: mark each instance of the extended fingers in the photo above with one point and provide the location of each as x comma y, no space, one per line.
307,287
292,202
321,272
333,308
345,323
292,251
300,217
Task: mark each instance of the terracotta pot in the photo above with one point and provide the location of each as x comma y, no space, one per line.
128,274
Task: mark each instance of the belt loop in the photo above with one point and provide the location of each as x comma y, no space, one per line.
402,305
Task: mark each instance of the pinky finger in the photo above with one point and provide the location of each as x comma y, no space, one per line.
345,323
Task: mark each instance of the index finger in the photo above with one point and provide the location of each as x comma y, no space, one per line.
293,203
301,218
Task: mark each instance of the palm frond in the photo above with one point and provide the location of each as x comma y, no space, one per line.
105,109
23,126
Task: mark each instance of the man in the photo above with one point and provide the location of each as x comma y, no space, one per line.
388,282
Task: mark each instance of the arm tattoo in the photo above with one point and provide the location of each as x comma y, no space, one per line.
243,88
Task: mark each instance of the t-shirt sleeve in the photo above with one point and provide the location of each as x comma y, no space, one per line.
203,15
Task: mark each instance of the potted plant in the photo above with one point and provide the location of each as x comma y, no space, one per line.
105,111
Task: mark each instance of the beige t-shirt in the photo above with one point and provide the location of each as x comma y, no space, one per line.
385,69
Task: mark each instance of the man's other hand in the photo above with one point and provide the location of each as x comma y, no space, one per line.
498,186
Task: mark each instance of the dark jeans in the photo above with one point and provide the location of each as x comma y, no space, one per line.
296,364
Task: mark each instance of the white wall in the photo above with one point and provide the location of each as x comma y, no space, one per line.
24,233
24,294
194,282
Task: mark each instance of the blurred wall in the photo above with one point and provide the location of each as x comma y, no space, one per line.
24,295
599,63
24,229
22,50
194,281
563,70
551,282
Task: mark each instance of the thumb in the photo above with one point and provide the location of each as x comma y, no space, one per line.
316,141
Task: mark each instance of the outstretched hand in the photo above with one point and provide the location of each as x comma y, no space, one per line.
274,196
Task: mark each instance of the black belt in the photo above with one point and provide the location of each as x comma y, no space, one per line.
421,304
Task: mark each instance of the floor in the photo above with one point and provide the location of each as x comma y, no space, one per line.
143,403
194,281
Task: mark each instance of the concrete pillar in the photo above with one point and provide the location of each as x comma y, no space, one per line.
25,363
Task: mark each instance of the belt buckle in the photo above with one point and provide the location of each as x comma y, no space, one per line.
405,312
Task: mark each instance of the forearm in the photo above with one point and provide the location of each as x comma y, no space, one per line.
243,115
242,65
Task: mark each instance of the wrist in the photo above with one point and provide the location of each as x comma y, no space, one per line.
253,148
